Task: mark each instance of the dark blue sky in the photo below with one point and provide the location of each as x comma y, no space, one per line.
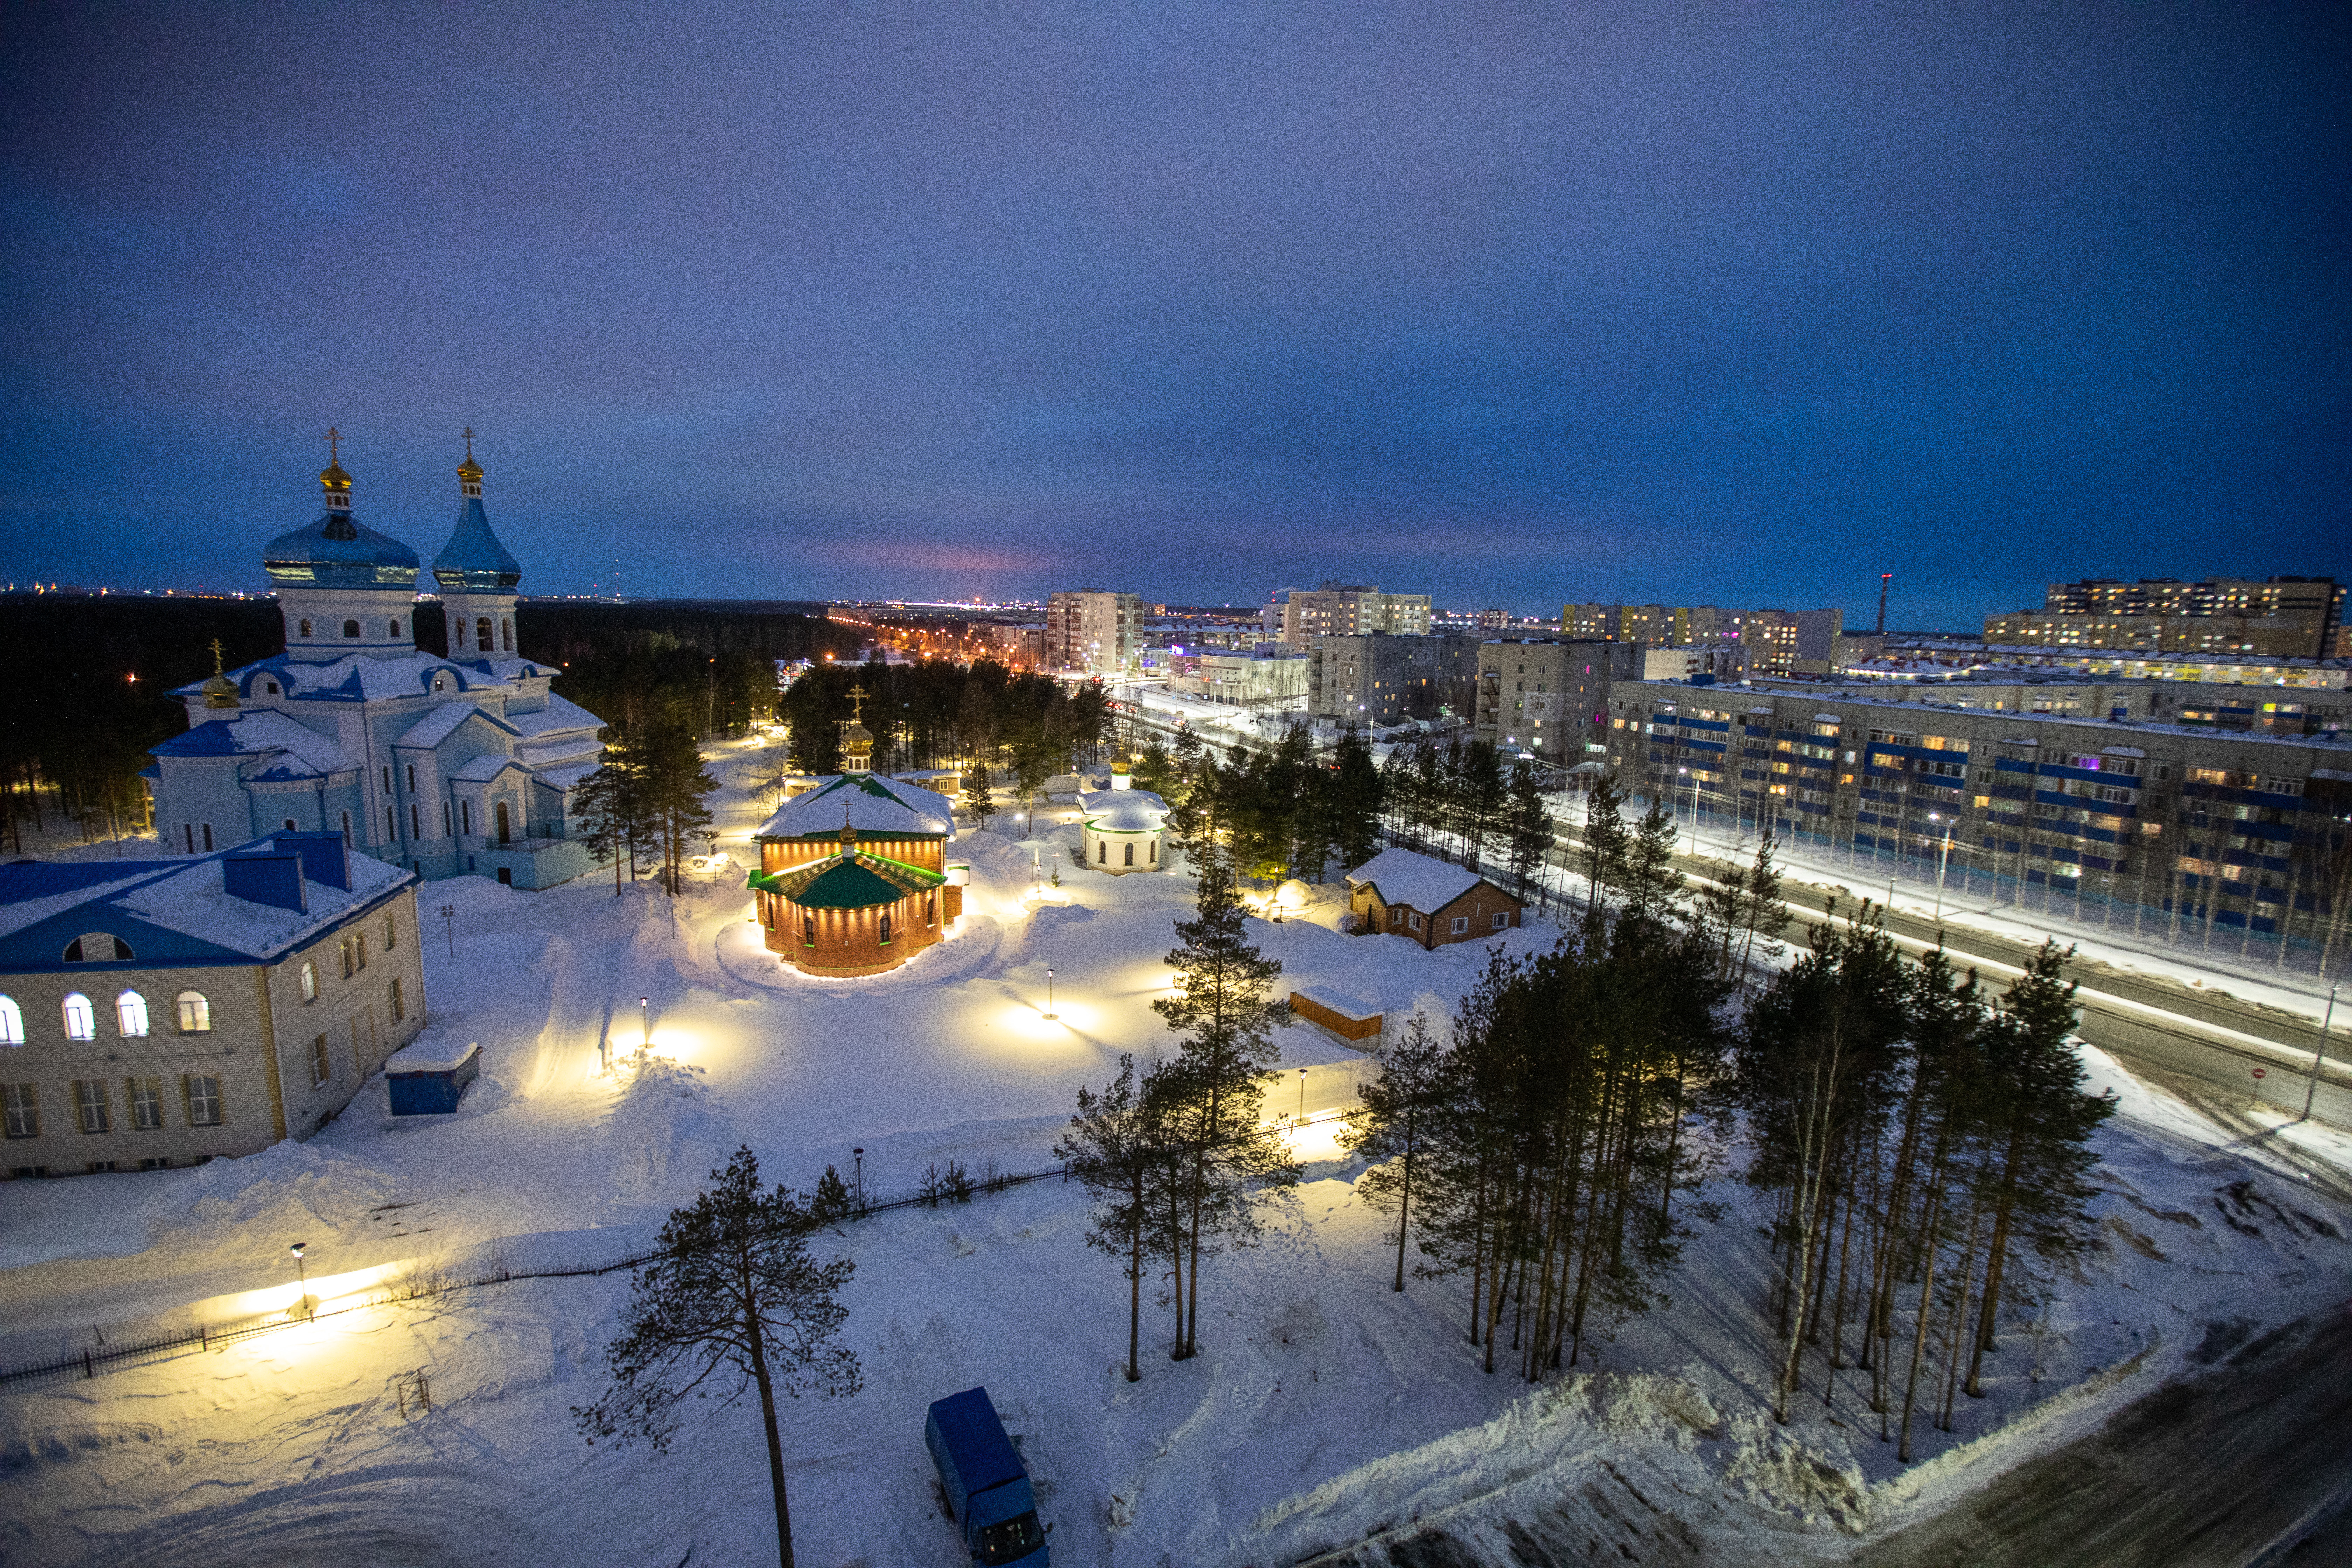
1730,304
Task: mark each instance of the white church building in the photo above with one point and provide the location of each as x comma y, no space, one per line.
449,767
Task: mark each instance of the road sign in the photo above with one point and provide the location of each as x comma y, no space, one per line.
2259,1073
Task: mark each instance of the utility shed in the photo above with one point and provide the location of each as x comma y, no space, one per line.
1338,1014
430,1078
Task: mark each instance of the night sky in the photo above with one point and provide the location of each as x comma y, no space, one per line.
1512,305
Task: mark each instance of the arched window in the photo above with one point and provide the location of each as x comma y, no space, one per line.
305,628
82,1021
196,1014
392,626
411,778
188,836
131,1015
1153,852
1130,852
99,947
310,981
931,909
504,825
12,1022
290,825
351,628
208,837
808,929
437,684
482,634
1102,851
466,818
886,928
506,637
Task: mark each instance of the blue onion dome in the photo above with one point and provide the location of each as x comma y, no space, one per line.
336,552
474,560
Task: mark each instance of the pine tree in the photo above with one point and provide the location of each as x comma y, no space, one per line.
1119,1146
1762,912
1527,831
1396,1123
978,801
676,786
615,805
832,1200
1223,1010
2039,1122
1356,800
732,1301
1651,886
1605,845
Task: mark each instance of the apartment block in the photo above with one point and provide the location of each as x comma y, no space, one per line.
1777,641
1337,609
1093,632
1381,678
2276,616
2226,836
1550,697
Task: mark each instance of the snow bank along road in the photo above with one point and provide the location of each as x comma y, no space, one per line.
2233,1466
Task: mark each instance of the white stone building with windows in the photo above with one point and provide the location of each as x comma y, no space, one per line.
165,1011
448,766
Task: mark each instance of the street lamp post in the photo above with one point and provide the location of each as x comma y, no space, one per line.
1944,861
2319,1052
303,1276
449,926
645,1017
858,1154
1049,991
1302,1094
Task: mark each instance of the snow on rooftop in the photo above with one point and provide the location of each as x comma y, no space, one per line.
557,715
1405,876
872,804
432,1055
193,903
443,721
27,897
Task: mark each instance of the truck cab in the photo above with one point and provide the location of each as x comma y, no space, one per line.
987,1489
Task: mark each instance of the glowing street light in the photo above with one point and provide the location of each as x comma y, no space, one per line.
1049,992
1302,1094
303,1276
646,1017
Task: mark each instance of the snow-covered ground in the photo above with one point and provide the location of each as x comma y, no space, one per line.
1326,1406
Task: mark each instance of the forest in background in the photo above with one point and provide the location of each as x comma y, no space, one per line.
79,742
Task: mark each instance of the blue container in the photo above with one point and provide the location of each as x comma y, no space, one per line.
429,1081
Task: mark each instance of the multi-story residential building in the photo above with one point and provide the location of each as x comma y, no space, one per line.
1717,661
1550,697
1092,632
1381,678
2284,616
2193,704
2225,837
1926,662
1337,609
1778,641
167,1012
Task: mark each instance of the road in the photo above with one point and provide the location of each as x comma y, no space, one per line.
2242,1465
2159,1029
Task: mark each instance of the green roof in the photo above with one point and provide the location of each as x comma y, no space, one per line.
859,882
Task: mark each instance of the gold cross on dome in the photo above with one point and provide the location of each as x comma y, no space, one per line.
216,655
469,443
334,444
857,702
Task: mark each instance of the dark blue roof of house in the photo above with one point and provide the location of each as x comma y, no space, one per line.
474,559
210,739
338,553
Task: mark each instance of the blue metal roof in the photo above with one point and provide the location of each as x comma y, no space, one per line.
210,739
28,880
474,559
338,553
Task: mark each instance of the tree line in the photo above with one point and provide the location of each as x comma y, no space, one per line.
938,713
1914,1142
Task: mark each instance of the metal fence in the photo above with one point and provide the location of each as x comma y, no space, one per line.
206,1338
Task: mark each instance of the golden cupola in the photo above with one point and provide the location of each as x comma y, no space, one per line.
219,691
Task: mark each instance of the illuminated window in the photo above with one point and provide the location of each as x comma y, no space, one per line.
196,1013
131,1015
82,1023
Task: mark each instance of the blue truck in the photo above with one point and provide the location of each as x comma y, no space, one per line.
987,1490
